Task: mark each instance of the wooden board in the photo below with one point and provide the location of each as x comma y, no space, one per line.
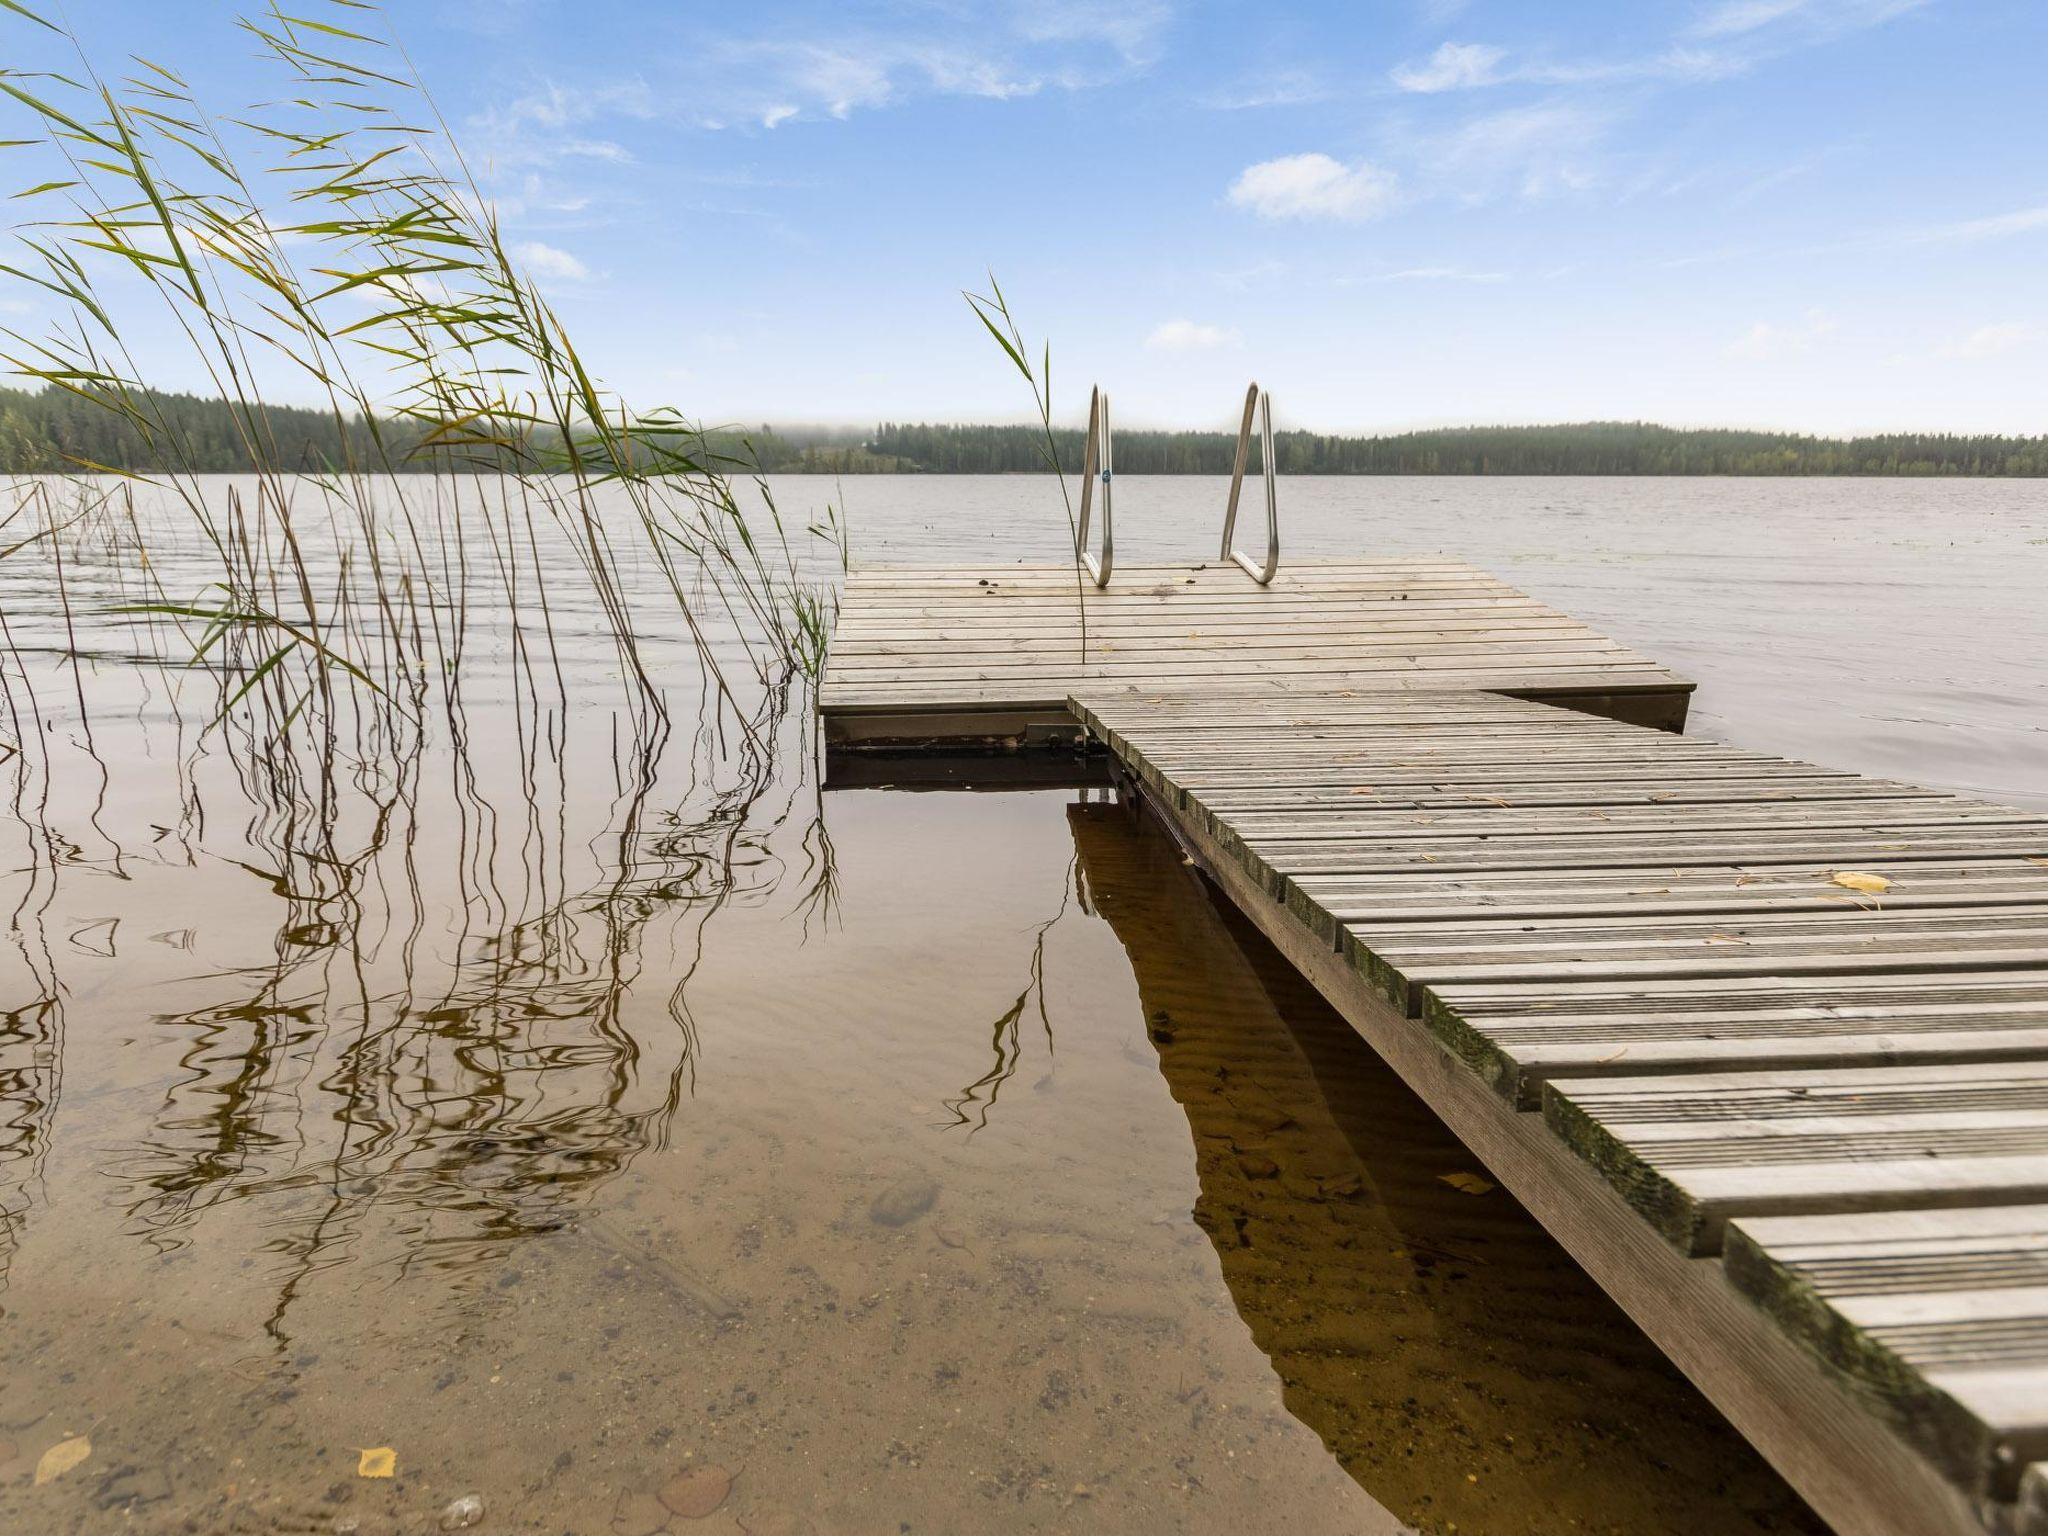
1693,1150
1941,1315
931,654
1651,939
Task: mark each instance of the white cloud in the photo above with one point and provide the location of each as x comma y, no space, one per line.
550,261
1314,186
1453,67
1764,342
1187,336
1989,340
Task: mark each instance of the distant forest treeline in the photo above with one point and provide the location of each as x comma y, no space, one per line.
52,431
1584,448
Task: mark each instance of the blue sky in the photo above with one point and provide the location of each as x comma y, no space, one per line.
1817,214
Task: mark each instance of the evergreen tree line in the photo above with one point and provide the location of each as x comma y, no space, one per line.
52,430
1582,448
55,431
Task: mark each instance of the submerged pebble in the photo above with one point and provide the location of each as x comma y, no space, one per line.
462,1513
697,1492
904,1201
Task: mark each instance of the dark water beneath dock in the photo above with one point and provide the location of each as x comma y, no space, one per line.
607,1112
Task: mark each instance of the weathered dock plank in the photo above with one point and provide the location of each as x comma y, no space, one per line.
1741,990
1942,1315
932,655
1692,1150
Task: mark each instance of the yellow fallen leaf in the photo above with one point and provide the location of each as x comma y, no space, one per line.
62,1457
378,1461
1857,881
1467,1183
2042,862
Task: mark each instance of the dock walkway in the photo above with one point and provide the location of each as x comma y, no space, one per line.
936,656
1764,1044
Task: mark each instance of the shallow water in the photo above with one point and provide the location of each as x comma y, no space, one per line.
915,1162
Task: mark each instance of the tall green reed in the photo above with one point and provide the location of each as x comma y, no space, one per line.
992,309
335,245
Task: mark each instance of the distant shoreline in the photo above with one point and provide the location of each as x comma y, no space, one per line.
52,431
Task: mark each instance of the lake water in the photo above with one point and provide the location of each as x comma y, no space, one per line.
585,1111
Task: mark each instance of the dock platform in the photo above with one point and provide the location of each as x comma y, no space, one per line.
1763,1044
938,656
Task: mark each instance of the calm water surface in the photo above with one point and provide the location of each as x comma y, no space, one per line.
585,1112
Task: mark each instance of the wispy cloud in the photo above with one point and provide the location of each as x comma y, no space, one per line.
1314,186
1533,151
1727,39
1809,19
1997,226
1188,336
1735,17
1989,340
1133,28
1281,88
1765,342
544,125
550,261
1454,66
1445,274
860,57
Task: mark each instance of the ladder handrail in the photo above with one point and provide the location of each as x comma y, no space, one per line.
1256,401
1095,459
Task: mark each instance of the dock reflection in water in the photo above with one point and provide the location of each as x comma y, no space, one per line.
1452,1357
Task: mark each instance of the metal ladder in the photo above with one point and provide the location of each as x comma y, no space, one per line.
1096,464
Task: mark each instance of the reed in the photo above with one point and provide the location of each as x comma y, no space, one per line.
385,690
335,245
992,309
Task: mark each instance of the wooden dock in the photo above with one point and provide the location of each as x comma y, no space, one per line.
944,657
1764,1044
